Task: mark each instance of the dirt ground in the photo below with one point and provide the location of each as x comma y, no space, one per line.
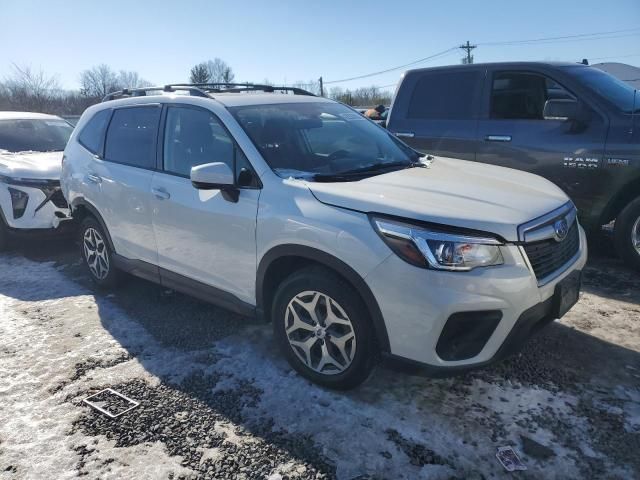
218,401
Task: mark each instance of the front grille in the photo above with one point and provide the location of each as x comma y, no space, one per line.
547,256
58,199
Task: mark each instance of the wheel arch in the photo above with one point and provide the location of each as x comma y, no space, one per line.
80,209
2,217
282,260
626,195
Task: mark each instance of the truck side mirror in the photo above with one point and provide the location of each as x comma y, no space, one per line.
560,109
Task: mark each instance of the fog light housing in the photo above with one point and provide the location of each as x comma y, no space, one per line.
19,200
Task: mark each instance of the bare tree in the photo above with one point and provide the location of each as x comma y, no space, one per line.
362,97
97,81
312,86
30,89
131,80
212,71
220,71
33,90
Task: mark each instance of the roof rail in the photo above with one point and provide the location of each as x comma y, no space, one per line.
142,92
224,87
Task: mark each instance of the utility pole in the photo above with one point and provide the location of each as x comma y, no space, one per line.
321,87
468,47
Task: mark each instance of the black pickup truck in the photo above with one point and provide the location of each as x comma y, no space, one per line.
571,123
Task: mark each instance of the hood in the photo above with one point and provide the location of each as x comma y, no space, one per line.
31,165
451,192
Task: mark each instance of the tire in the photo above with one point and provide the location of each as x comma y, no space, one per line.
338,351
627,234
96,254
4,235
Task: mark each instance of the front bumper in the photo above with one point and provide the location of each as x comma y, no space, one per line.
416,304
37,215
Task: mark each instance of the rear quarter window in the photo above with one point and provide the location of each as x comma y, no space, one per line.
92,134
445,95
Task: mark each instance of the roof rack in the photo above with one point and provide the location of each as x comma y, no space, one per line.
203,89
142,92
225,87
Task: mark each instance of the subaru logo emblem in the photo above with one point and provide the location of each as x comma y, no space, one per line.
561,228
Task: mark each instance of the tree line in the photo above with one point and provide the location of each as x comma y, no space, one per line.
29,89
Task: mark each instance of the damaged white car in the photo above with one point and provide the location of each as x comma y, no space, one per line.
31,146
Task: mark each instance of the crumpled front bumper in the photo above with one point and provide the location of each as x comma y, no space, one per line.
39,213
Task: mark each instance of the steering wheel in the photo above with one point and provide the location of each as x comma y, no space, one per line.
337,154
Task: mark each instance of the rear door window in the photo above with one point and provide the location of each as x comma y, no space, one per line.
92,135
445,95
131,138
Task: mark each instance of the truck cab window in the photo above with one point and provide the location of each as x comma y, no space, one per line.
447,95
516,95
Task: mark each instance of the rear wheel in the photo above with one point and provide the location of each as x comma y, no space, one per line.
323,329
627,234
96,254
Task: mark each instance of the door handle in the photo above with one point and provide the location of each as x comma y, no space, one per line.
93,178
498,138
405,134
161,193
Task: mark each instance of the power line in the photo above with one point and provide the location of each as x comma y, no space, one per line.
569,40
559,39
430,57
615,56
565,37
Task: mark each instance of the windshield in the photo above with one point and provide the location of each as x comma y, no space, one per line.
320,139
38,135
615,91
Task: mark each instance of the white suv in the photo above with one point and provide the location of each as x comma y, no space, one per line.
31,146
298,209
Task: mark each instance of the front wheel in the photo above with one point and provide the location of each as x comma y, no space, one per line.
323,329
4,240
96,254
627,233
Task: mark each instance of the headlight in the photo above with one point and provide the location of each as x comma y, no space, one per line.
19,201
436,249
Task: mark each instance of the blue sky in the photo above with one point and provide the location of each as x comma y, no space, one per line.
287,41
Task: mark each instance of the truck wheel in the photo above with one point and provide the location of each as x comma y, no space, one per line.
323,329
627,234
96,254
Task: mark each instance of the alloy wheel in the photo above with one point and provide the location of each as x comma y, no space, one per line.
95,252
320,332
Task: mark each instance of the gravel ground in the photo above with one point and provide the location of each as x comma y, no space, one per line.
217,401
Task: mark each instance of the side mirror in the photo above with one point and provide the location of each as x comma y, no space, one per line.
560,109
215,176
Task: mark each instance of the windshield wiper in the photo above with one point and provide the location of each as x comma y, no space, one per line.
376,168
